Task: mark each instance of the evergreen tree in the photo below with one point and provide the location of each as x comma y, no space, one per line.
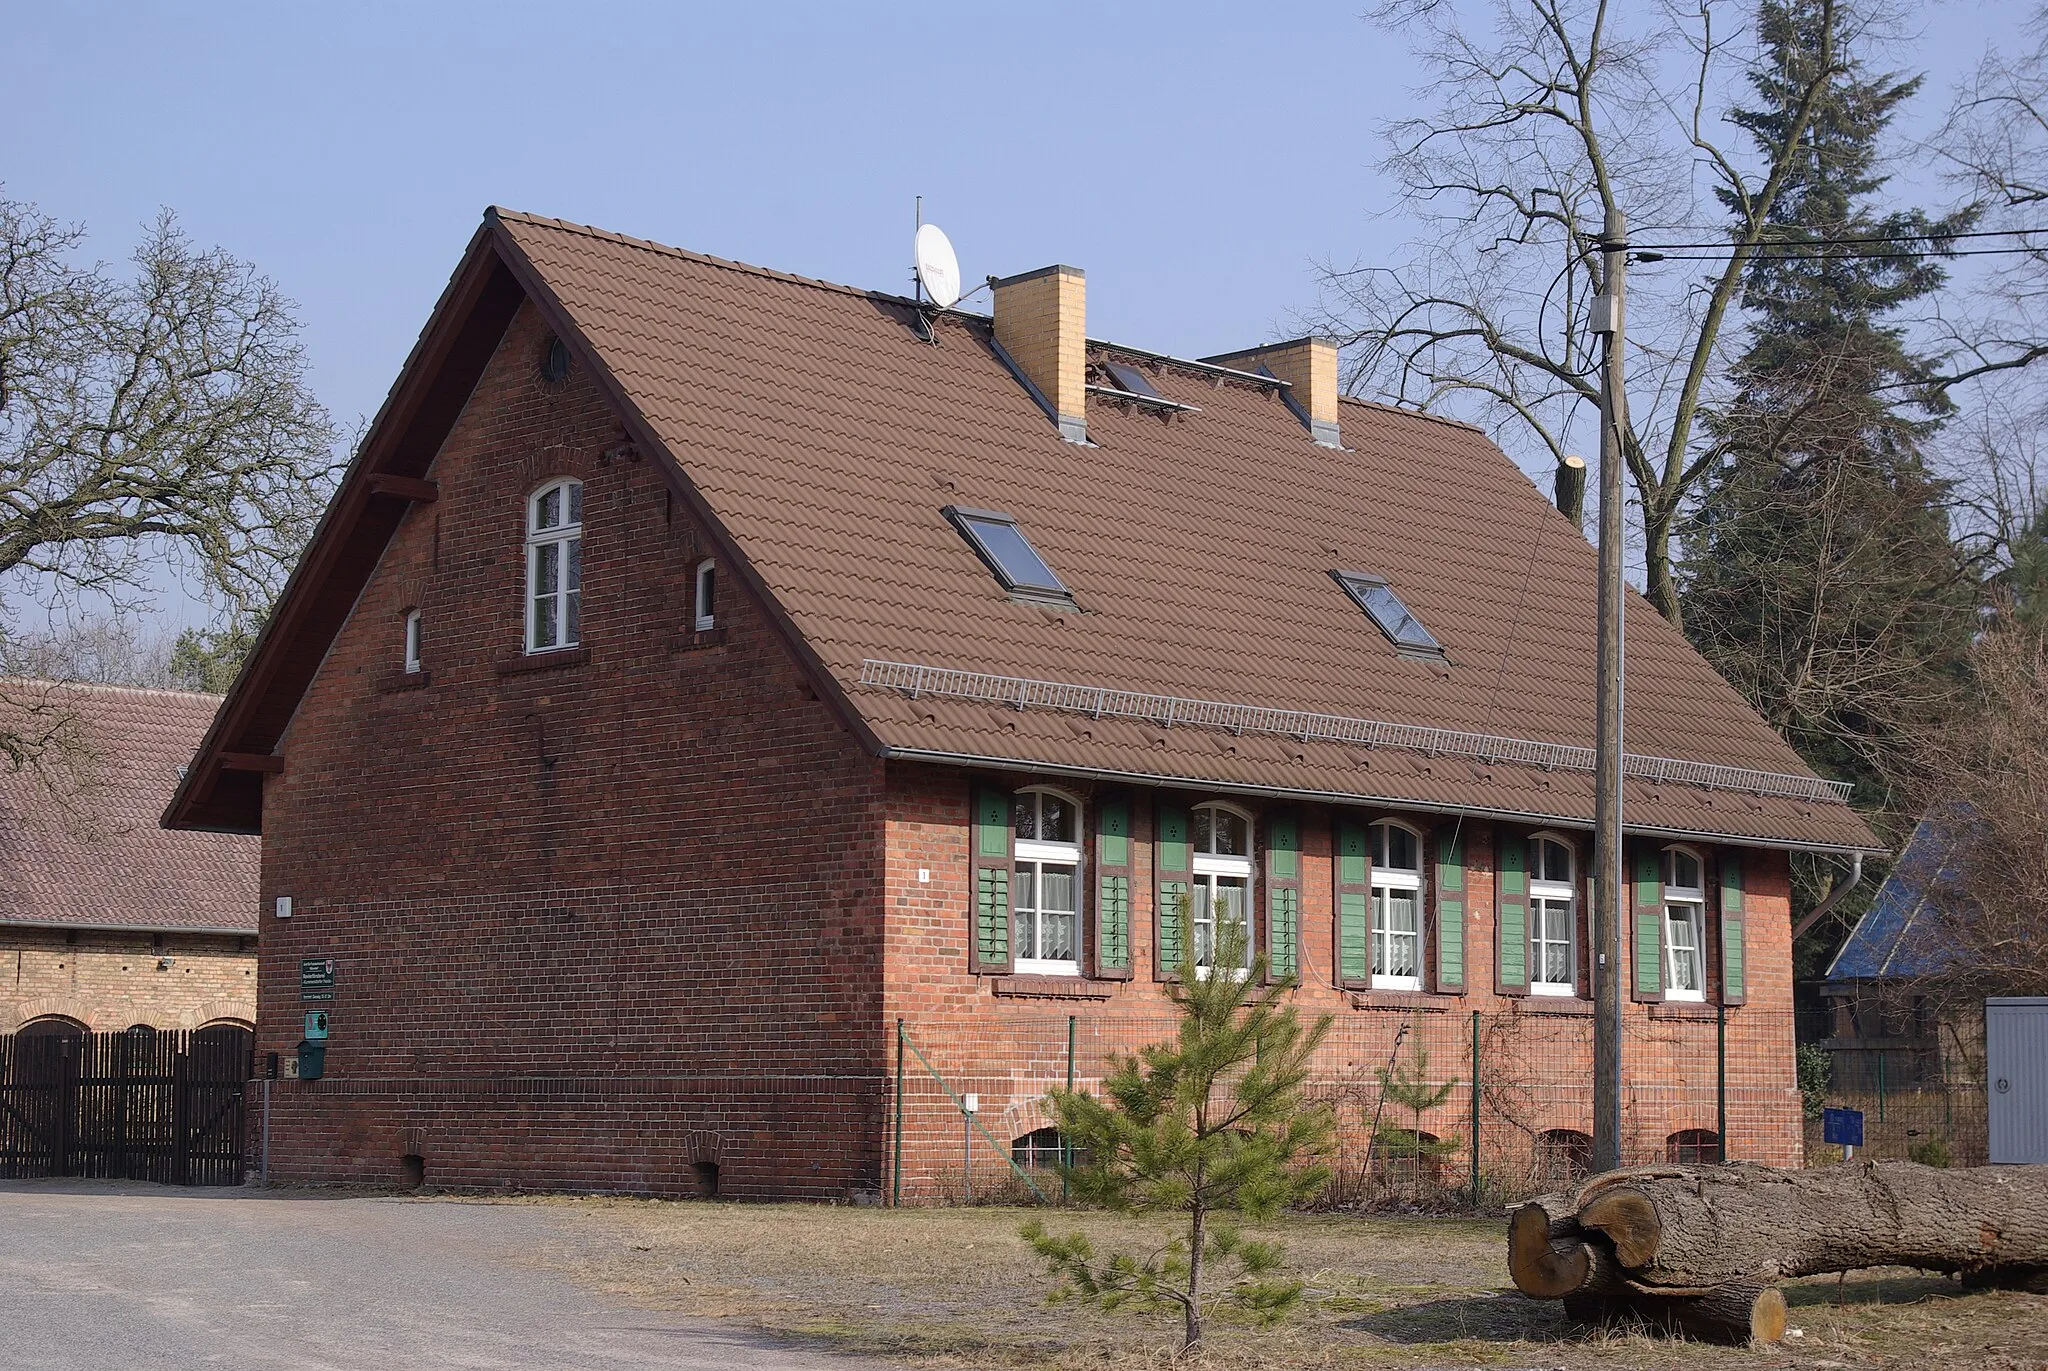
1211,1124
1819,573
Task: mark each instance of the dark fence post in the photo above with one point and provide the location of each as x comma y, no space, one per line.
181,1120
896,1180
1721,1081
1066,1148
1475,1112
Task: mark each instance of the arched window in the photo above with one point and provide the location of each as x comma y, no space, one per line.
1553,917
412,641
1685,921
1045,904
52,1027
1223,884
1396,907
1698,1145
554,566
707,595
1564,1157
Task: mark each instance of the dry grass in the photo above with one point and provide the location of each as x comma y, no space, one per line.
954,1287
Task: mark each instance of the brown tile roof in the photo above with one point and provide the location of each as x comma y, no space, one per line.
82,848
826,437
811,422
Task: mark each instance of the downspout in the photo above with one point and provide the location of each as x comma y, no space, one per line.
1835,897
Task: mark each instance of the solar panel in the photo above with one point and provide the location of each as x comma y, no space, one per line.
1133,380
1008,553
1385,608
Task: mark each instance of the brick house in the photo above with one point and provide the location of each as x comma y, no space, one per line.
702,668
107,920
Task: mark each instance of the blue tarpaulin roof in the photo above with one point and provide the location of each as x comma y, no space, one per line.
1897,937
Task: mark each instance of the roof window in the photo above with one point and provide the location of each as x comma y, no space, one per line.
1384,607
1009,554
1133,380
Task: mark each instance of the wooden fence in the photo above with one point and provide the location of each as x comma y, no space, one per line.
141,1105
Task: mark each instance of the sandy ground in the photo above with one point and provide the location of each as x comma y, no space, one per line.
957,1287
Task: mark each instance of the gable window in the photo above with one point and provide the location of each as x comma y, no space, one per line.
1373,595
1045,907
1685,908
1553,918
412,640
1396,907
1222,860
999,543
554,567
707,595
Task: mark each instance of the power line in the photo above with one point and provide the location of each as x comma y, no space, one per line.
1723,243
1764,253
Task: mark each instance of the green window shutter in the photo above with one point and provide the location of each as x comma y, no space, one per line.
1511,913
1173,884
1734,931
1353,868
1648,894
1449,924
1283,896
989,936
1113,888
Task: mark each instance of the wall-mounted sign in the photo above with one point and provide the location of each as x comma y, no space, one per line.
316,978
316,1025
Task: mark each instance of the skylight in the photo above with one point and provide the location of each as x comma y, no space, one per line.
1133,380
1385,609
1009,554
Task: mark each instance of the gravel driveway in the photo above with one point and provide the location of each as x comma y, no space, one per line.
121,1277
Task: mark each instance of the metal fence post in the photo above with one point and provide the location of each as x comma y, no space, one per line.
895,1181
1475,1111
1721,1081
1067,1148
1880,1085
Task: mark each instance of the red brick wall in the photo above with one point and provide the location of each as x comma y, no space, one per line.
1536,1055
594,923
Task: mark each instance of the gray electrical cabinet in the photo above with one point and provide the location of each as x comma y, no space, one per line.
2016,1077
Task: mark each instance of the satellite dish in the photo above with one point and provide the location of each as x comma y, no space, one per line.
938,270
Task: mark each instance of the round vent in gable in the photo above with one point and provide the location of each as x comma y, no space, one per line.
554,360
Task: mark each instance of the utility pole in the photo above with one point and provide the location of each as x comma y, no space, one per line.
1607,843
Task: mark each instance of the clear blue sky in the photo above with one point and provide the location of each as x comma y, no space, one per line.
1196,159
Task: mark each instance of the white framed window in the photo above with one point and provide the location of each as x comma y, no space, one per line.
1685,921
1223,882
707,595
1045,906
1553,917
554,566
412,640
1396,906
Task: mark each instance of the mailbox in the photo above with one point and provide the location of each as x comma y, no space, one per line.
312,1060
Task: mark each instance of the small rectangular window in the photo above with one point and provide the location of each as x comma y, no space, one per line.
1373,595
707,595
412,640
1008,553
1131,379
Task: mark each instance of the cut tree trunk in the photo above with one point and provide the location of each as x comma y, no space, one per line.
1740,1312
1550,1255
1694,1227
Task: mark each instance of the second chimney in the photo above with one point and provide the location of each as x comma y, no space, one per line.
1042,330
1309,366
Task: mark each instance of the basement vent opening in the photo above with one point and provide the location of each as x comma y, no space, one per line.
1001,545
1373,595
707,1179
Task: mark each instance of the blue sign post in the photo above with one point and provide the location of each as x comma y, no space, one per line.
1843,1127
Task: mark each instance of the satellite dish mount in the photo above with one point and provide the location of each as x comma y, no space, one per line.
937,274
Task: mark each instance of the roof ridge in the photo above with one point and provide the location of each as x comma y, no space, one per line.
1409,413
111,689
707,259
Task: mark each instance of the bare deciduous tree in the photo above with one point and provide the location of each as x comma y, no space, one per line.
165,414
1541,127
1986,787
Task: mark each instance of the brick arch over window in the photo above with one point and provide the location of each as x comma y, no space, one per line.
71,1007
240,1010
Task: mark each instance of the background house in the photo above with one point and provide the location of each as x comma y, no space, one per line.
711,688
107,920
